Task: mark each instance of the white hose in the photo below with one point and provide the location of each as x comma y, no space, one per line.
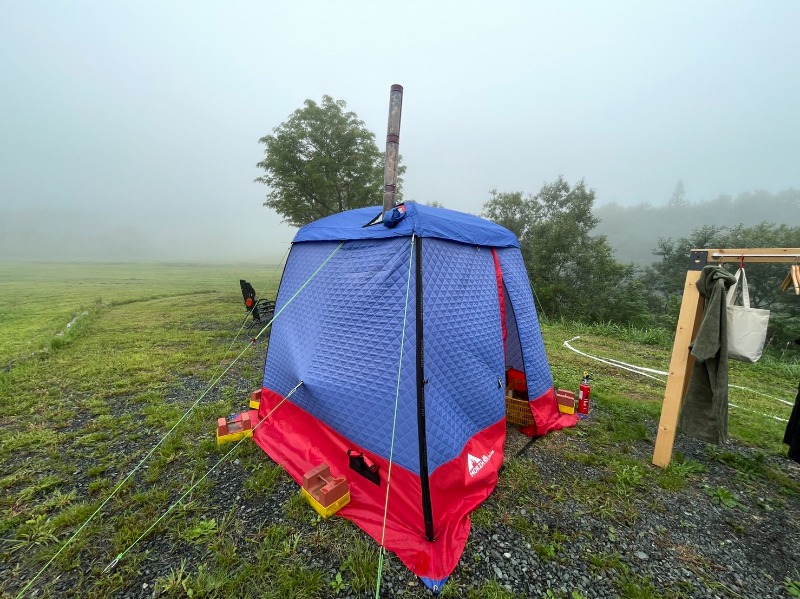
628,367
644,372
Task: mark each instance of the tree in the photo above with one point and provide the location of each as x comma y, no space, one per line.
322,160
678,199
665,279
572,272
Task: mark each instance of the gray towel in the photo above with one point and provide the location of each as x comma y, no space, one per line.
705,409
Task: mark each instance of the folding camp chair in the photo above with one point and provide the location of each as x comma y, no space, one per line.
262,309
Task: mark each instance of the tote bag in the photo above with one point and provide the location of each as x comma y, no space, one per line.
747,327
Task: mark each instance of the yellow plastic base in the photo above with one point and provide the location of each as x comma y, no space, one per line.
566,409
329,511
229,438
254,404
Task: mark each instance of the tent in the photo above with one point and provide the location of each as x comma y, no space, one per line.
401,336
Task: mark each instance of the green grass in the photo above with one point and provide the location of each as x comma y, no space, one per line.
200,531
360,567
490,590
627,398
69,394
679,471
83,405
792,587
37,301
262,479
636,586
606,561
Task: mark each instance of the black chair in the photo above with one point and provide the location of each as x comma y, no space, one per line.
262,309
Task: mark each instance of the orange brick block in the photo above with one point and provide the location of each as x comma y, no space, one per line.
234,428
323,487
566,401
255,399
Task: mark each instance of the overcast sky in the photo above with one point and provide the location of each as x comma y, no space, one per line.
132,127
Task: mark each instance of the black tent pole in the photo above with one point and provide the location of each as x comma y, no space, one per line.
427,510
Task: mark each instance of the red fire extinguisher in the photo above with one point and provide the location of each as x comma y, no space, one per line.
583,394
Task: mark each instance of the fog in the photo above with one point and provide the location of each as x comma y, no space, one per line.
130,129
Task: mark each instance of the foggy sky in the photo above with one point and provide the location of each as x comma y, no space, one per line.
130,129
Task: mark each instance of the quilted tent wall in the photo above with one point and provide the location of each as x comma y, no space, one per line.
405,358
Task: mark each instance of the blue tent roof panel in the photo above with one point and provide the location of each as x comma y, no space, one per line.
424,221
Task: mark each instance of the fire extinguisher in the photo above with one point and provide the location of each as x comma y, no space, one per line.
583,394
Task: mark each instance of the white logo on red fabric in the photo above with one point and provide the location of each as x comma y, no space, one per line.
474,464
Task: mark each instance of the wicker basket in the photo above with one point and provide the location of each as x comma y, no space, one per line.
518,411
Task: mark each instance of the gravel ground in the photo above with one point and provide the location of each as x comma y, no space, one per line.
684,542
679,543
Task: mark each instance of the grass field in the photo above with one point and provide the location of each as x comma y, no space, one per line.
96,362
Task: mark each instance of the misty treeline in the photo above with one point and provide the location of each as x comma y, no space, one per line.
633,229
575,274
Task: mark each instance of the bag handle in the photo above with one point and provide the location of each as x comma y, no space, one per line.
731,299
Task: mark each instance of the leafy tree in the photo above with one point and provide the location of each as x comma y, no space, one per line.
573,273
665,279
322,160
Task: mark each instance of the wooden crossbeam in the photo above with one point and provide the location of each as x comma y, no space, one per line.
769,255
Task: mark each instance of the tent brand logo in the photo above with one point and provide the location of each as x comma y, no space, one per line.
474,464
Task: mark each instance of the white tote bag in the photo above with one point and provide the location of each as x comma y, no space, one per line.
747,327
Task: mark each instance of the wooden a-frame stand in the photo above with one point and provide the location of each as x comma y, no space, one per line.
682,361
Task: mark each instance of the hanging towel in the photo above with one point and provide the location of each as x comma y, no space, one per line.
705,409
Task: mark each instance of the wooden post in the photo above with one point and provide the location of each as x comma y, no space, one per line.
680,367
682,361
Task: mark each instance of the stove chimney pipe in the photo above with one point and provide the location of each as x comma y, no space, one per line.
392,148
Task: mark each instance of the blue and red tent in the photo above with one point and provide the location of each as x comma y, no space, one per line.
401,336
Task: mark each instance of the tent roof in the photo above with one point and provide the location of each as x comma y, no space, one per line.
424,221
